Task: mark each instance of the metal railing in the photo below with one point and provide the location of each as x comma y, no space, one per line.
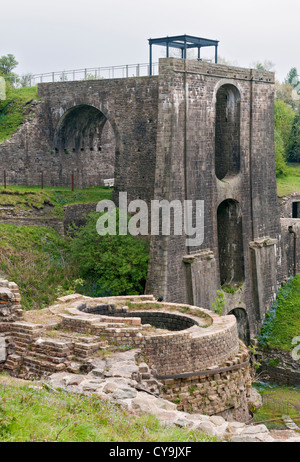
91,73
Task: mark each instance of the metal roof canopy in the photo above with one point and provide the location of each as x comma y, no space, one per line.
183,42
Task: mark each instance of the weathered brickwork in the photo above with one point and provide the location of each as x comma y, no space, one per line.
279,366
186,163
197,357
218,391
10,299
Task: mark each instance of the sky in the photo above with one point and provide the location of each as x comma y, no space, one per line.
57,35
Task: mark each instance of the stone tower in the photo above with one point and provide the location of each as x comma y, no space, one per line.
215,143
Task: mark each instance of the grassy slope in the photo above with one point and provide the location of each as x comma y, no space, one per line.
291,183
282,322
33,413
24,197
36,258
13,110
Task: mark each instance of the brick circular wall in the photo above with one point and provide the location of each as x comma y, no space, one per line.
158,319
188,346
193,349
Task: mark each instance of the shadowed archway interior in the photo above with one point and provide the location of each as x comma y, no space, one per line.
85,134
230,243
227,132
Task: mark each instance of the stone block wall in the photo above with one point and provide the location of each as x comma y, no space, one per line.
216,391
192,349
129,106
187,167
287,246
289,206
278,366
10,302
77,214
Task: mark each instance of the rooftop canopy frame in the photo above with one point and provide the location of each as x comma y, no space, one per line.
182,42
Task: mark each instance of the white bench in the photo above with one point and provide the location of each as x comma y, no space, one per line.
109,182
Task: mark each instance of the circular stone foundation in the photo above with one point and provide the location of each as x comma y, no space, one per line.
158,319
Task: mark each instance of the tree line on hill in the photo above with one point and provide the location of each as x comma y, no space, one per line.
287,122
286,111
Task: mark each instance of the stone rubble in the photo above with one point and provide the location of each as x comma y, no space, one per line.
119,379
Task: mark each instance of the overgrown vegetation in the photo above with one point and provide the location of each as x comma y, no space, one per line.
282,322
13,110
277,401
36,413
290,182
36,258
24,197
46,265
110,264
219,303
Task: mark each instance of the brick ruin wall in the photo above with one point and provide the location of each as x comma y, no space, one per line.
289,207
278,366
202,369
68,134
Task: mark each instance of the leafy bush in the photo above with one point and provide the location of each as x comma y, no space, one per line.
280,165
110,264
14,109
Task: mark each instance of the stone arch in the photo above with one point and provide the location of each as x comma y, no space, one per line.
242,324
230,243
227,131
89,137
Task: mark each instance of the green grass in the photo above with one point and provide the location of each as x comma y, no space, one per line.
36,258
30,197
13,110
290,183
282,322
33,413
280,400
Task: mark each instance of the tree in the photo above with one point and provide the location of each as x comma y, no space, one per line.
292,78
265,66
25,80
283,122
280,165
294,153
7,64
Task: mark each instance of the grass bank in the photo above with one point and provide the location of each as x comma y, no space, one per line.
36,258
13,110
33,197
282,321
277,401
31,412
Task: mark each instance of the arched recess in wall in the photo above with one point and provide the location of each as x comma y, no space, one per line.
242,324
87,134
227,131
230,243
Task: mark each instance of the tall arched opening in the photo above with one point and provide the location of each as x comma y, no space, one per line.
86,138
227,132
242,324
230,243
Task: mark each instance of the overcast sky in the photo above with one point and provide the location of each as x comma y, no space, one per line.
60,35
